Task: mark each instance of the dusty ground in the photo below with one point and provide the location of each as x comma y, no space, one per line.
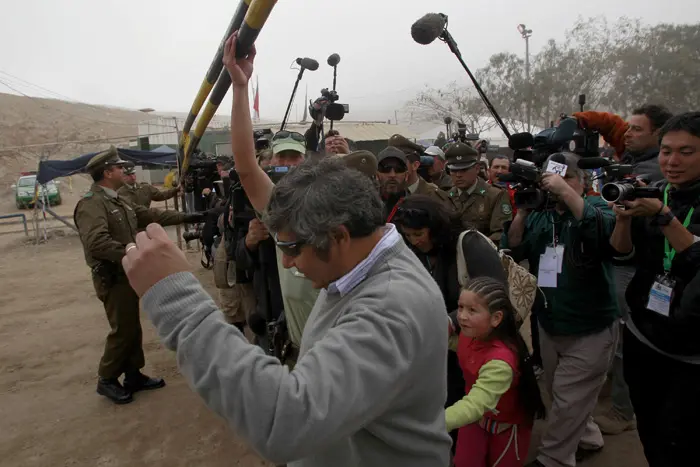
51,336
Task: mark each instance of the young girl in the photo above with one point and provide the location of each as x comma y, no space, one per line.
495,418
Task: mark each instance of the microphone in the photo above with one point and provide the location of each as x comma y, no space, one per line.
333,60
428,28
588,163
307,63
521,141
558,157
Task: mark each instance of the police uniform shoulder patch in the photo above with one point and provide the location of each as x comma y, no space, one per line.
506,209
89,194
482,192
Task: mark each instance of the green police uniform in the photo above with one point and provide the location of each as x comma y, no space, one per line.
482,206
106,224
143,194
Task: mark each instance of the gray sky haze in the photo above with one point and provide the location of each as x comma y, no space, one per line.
154,53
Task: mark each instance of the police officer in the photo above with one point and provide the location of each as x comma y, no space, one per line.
479,204
142,193
106,224
415,184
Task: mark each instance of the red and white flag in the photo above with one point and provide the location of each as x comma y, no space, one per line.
256,100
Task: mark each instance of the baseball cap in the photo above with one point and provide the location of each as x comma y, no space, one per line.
288,141
435,151
392,152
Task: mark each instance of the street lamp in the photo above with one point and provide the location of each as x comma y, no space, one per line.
526,34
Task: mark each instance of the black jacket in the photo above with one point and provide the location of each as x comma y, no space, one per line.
644,163
261,264
679,333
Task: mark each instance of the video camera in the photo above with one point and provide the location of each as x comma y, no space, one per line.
525,179
202,173
567,136
462,136
263,139
621,184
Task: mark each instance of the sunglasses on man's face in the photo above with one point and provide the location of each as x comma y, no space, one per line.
284,134
397,168
291,249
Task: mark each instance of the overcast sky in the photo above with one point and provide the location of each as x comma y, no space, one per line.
154,53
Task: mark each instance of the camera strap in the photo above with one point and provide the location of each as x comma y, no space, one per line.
670,253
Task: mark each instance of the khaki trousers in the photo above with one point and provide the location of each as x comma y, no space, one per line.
575,368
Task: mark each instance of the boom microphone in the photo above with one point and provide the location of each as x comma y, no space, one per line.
308,63
521,141
333,60
588,163
428,28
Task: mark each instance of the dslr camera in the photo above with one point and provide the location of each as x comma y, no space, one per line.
621,184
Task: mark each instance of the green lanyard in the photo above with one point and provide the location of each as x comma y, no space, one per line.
670,252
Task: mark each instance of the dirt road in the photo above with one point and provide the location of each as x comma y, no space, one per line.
52,330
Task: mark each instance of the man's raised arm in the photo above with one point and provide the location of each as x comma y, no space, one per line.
255,181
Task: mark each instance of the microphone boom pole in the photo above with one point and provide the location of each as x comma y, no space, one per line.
434,26
211,77
447,38
255,18
294,93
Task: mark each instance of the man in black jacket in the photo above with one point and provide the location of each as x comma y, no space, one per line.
661,344
639,137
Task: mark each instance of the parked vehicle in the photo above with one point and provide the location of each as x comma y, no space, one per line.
24,192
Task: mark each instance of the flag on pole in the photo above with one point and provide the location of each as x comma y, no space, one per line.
306,106
256,100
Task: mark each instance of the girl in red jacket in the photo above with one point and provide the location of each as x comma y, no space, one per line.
495,418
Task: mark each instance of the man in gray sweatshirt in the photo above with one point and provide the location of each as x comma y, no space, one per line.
369,387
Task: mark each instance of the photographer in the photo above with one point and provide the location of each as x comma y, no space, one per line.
288,149
438,175
661,346
578,329
637,144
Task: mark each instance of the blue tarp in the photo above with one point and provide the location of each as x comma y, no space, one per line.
48,170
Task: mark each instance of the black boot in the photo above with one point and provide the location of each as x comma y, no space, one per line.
113,390
137,381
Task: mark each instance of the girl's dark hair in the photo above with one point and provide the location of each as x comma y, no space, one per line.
495,294
423,211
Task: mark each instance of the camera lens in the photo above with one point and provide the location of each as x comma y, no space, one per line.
615,192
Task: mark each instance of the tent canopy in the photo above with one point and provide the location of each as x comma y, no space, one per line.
48,170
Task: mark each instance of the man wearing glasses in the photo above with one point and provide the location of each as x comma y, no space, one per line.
370,384
392,172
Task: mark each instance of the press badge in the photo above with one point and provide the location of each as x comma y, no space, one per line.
661,294
550,266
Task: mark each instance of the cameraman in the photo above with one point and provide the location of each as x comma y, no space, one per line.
578,327
661,345
637,144
438,175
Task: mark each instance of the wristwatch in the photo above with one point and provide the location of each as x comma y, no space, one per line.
662,219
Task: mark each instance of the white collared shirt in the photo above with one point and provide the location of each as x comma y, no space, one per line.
351,280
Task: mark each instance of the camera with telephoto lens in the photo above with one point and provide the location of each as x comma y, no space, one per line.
621,184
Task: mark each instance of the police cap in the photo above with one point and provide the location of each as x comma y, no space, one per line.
364,161
129,168
104,160
461,156
412,150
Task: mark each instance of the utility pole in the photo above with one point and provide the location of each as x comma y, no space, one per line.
526,34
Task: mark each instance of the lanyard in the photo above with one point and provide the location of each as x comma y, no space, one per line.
670,253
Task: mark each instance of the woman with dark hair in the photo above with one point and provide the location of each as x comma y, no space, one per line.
432,230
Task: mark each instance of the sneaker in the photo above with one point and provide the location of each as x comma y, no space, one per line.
613,423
